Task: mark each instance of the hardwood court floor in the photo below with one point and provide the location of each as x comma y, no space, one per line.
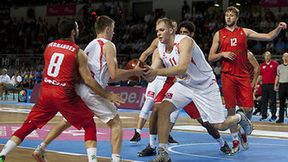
24,155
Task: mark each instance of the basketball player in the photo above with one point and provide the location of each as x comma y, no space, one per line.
152,91
195,82
103,65
63,60
185,28
230,45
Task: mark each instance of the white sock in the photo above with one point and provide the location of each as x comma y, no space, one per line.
115,158
242,130
139,131
43,145
153,139
235,136
91,153
164,146
220,141
239,117
9,146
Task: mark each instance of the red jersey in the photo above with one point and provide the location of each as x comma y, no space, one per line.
60,66
268,72
234,41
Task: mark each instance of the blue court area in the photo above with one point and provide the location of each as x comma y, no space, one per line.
193,146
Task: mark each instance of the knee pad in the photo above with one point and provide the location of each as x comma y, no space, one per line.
147,106
174,116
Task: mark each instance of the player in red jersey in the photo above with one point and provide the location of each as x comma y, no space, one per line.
230,46
64,61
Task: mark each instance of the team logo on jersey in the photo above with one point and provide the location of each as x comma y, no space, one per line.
150,94
264,67
169,95
271,66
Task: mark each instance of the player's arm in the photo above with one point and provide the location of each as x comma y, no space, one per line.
117,74
149,50
150,75
93,84
256,67
251,34
185,47
276,84
214,55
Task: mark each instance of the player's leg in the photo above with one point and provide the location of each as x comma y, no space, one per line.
229,92
39,152
90,140
143,116
116,137
37,118
151,147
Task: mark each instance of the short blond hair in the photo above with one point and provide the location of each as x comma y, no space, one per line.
166,21
233,9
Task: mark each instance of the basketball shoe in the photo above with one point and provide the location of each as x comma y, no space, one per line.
39,154
236,146
226,149
245,123
162,156
243,140
148,151
136,138
171,140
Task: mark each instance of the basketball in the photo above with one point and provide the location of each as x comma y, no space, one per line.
131,65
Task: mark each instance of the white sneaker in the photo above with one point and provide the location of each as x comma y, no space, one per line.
39,154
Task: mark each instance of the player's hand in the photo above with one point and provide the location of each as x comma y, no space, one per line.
115,98
229,55
150,74
276,88
282,25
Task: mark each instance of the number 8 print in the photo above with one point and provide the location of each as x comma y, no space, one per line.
55,63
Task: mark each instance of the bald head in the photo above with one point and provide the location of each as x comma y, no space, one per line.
267,56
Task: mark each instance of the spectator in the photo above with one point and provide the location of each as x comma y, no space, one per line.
268,71
4,80
281,85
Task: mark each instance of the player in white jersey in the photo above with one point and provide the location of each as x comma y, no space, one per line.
103,65
152,91
180,56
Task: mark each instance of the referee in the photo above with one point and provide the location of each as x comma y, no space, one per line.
281,85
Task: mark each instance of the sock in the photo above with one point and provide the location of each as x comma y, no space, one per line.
235,136
91,153
153,139
164,146
239,117
43,145
220,141
9,146
115,158
242,130
139,131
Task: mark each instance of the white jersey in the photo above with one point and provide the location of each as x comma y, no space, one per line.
97,61
199,73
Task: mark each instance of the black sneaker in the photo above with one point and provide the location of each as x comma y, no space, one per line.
2,158
171,140
273,118
280,120
148,151
162,156
136,138
226,149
